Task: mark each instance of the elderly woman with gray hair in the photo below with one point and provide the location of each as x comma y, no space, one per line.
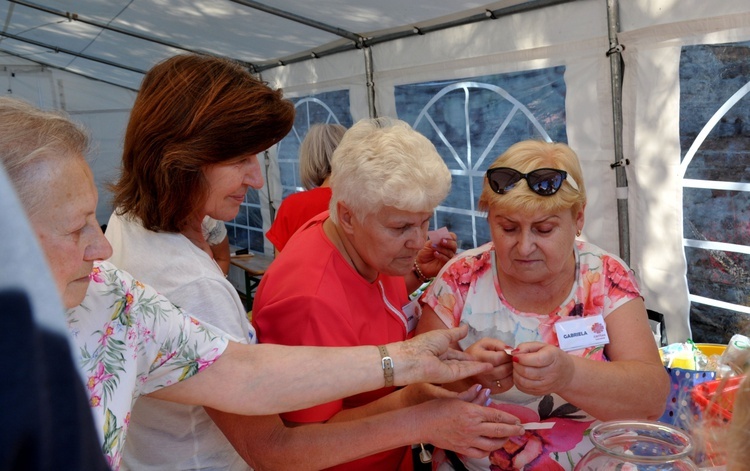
344,280
132,342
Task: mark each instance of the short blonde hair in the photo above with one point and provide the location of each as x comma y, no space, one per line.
526,156
316,151
384,162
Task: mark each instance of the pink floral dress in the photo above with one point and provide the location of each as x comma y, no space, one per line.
467,291
132,341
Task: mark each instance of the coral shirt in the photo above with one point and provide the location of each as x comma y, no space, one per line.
310,295
296,210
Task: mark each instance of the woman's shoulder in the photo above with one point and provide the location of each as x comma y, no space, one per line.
114,295
298,208
609,269
470,264
309,256
109,281
592,255
476,256
302,197
126,230
105,272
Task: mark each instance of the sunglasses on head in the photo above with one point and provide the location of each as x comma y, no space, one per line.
542,181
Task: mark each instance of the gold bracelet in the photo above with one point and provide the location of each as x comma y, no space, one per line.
418,273
387,363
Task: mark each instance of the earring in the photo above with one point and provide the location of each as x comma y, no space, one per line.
578,233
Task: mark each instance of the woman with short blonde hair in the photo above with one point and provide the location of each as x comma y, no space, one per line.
316,151
562,320
315,154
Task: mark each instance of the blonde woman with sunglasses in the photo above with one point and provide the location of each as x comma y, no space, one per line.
562,321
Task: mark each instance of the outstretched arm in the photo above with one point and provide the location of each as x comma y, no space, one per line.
266,379
267,444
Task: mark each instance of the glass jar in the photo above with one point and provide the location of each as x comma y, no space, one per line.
630,445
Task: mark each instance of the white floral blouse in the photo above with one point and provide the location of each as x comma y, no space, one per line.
132,341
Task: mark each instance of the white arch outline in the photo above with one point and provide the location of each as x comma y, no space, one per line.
714,185
469,169
710,124
306,101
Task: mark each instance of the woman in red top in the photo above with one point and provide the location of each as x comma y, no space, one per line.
314,168
344,279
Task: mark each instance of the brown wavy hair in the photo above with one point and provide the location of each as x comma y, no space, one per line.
192,111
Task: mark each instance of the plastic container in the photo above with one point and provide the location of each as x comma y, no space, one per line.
690,356
632,445
715,402
709,349
737,353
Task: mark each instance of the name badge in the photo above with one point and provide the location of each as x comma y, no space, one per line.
582,332
412,311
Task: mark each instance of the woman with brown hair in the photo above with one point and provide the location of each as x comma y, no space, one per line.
190,151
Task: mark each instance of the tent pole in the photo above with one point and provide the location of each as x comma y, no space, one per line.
615,66
267,165
369,77
106,26
71,52
64,69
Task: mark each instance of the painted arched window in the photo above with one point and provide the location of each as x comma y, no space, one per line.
715,135
332,107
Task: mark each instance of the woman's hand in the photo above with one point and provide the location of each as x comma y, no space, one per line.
500,378
468,428
539,368
434,255
428,358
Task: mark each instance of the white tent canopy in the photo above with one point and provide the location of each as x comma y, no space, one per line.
471,76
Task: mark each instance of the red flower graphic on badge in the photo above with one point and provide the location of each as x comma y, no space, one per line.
597,328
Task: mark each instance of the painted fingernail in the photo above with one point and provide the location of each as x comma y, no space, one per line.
516,360
487,392
488,402
479,387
